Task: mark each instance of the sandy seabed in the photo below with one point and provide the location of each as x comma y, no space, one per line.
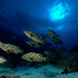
47,71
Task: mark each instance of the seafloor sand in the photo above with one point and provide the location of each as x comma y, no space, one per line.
47,71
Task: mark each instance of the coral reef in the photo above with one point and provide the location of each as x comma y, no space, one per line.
34,57
9,48
63,60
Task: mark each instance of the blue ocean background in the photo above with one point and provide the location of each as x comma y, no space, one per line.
19,15
37,16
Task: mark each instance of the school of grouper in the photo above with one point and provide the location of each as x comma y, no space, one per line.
59,57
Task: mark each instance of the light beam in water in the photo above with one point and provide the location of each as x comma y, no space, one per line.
59,11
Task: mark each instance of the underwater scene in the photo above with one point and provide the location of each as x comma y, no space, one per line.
38,38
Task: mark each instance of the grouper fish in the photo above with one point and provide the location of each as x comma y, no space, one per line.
37,38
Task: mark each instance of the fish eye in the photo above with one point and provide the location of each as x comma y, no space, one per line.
32,35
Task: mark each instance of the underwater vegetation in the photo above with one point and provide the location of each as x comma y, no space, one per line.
59,56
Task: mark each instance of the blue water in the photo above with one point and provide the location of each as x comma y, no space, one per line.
38,16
